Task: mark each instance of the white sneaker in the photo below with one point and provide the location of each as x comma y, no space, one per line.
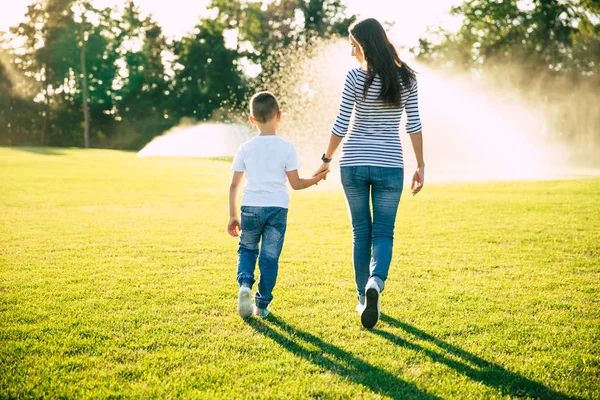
245,302
370,314
361,305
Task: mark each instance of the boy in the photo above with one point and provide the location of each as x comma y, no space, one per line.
266,159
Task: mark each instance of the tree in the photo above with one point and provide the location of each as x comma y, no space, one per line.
206,71
325,17
31,63
18,113
75,65
551,36
548,52
143,84
116,78
50,58
267,34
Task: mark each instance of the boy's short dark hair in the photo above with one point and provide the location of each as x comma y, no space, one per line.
263,106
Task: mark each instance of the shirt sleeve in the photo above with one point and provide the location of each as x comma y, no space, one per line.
340,127
238,161
413,121
292,162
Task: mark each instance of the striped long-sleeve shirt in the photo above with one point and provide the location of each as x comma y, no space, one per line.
371,125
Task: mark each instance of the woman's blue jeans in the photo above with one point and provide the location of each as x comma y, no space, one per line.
373,232
267,224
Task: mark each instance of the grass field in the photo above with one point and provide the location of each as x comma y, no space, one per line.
117,280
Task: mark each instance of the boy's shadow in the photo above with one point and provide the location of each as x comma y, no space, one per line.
492,375
337,361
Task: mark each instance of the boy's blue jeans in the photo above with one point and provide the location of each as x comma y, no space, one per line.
268,224
373,234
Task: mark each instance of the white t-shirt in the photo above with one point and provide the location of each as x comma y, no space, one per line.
265,160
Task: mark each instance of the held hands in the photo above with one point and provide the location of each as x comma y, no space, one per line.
321,174
323,168
233,226
418,180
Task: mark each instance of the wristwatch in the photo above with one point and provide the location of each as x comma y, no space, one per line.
325,159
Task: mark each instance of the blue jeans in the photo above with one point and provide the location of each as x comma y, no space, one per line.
373,234
268,224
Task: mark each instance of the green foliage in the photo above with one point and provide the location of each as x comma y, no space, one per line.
326,17
501,32
141,94
135,91
117,280
207,75
548,51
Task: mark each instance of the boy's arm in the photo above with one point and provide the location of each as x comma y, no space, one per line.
234,226
298,183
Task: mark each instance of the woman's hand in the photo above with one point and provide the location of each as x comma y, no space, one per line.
321,175
323,167
418,180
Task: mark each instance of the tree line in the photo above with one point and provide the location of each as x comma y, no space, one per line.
548,50
75,75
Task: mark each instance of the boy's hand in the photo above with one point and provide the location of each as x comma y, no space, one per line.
233,226
321,175
323,168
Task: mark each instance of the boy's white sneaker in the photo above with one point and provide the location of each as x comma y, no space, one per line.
261,312
245,302
370,313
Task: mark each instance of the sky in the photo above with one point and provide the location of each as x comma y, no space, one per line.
179,16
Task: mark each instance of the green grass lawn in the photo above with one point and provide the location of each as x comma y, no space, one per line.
117,280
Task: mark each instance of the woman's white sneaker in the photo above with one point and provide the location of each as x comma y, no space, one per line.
370,313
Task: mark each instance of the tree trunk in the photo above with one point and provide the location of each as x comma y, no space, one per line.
45,115
43,130
84,93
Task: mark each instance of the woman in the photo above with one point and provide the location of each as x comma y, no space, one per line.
371,164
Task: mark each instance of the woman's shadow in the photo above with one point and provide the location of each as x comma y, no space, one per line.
492,375
337,360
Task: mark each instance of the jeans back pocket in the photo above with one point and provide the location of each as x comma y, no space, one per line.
392,179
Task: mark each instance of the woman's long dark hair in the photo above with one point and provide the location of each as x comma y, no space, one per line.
382,59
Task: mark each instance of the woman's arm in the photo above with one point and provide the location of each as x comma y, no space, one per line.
342,121
419,176
415,131
334,143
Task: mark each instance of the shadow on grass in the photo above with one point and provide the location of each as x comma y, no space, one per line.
336,360
47,151
227,159
492,375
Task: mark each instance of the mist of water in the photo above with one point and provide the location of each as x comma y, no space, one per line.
203,140
470,131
